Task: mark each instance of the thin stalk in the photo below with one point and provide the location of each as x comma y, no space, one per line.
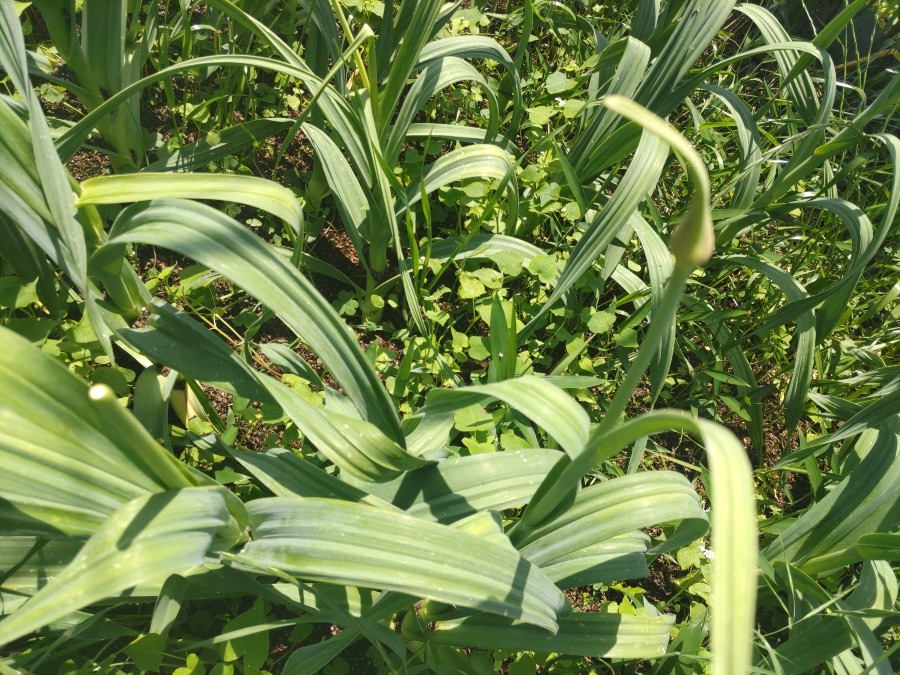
348,36
558,488
658,326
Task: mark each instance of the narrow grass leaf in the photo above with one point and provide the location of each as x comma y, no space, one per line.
863,503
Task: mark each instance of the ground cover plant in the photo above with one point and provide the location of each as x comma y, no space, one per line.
449,337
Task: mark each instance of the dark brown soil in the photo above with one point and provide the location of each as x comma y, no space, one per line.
88,164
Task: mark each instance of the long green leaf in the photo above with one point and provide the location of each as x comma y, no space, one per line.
818,637
142,543
353,444
798,389
250,190
602,635
462,486
351,199
68,477
403,63
865,502
617,507
346,543
639,181
538,399
486,162
214,147
734,528
212,238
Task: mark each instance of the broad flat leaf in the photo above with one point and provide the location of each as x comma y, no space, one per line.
251,190
140,544
477,47
796,394
544,403
28,563
659,267
821,636
734,529
287,475
220,243
152,393
484,162
418,33
176,340
621,557
454,132
69,476
461,486
168,605
800,88
614,508
693,239
354,445
311,659
557,82
51,174
631,57
483,246
695,28
346,543
602,635
639,181
437,75
351,200
749,138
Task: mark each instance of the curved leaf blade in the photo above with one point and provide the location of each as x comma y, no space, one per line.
346,543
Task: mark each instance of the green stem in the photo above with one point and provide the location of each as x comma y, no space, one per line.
558,488
655,337
348,36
